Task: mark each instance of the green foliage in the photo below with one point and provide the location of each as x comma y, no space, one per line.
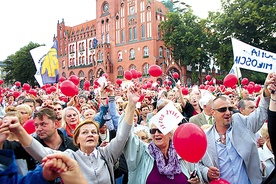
20,66
252,22
185,36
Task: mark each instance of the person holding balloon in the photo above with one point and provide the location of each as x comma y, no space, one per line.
158,161
232,153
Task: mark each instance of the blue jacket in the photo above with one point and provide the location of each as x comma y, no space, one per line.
10,173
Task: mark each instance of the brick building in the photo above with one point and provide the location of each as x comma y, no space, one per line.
123,36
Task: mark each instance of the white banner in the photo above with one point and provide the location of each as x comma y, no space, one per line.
46,64
252,58
236,70
167,118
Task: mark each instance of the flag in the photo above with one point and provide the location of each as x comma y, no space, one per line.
46,63
253,58
236,70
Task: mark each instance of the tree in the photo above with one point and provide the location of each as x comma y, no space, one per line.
20,66
252,22
184,35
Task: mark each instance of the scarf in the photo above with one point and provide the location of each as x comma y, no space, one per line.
173,166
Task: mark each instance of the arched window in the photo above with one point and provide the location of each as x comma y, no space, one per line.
161,52
120,71
132,54
146,51
132,67
146,69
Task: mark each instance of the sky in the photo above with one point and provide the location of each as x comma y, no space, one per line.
35,21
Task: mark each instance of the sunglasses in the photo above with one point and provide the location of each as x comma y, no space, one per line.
154,130
224,109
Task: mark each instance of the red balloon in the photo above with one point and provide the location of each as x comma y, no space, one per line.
139,74
1,81
257,88
234,87
244,81
128,75
16,94
29,126
75,79
17,83
190,142
119,81
141,98
185,91
201,86
167,88
245,87
207,87
68,88
222,88
134,73
48,85
61,79
169,83
26,87
219,181
230,80
208,77
148,84
105,75
86,84
33,92
48,91
53,88
155,70
250,88
211,88
145,86
175,75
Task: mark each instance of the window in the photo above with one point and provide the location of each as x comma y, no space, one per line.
160,52
143,31
132,54
146,69
123,36
120,71
107,38
167,53
134,33
130,34
146,51
120,56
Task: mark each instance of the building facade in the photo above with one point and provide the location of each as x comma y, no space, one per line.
123,36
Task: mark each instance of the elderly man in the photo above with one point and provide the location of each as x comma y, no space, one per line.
231,152
205,117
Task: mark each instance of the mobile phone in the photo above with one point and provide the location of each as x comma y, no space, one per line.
193,175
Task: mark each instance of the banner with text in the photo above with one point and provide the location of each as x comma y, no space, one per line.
252,58
167,118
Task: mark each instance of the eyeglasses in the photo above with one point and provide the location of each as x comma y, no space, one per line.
224,109
154,130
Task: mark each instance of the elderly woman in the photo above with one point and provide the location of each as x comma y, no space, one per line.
70,120
94,162
156,163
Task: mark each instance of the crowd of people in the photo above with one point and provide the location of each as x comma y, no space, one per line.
108,136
